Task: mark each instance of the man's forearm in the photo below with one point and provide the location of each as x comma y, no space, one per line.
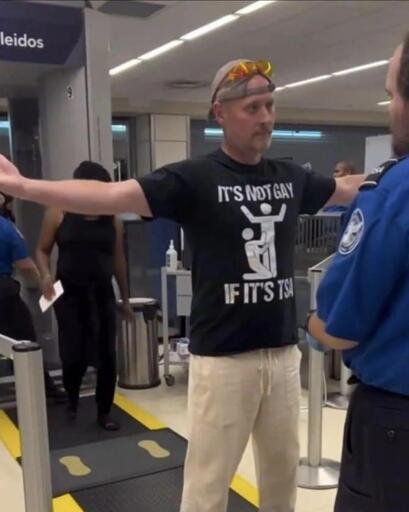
316,328
346,189
87,197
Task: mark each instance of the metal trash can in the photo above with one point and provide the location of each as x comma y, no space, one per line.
138,359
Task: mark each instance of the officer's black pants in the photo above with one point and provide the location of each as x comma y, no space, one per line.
15,319
375,457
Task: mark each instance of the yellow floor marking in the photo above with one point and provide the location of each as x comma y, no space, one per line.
66,503
245,489
137,413
154,449
10,435
75,466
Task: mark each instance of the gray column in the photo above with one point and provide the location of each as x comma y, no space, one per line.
98,87
75,107
170,138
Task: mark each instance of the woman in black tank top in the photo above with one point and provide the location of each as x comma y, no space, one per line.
90,254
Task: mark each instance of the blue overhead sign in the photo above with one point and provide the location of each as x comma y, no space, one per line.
43,34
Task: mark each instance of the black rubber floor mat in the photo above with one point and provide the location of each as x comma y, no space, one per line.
64,432
160,492
7,389
96,464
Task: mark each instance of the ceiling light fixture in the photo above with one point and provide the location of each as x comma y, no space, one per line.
123,67
161,49
361,68
382,103
209,27
308,81
255,6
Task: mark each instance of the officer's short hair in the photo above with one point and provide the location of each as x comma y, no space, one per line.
403,77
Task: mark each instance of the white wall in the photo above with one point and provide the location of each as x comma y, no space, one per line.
377,150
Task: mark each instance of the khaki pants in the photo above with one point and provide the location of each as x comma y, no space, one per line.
230,398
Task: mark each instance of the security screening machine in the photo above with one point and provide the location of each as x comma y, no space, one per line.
314,472
32,418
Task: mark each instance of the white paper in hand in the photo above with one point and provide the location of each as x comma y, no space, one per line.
45,303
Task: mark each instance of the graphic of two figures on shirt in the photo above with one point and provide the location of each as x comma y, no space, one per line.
261,253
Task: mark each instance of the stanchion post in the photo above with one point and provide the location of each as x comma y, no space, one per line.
314,472
32,418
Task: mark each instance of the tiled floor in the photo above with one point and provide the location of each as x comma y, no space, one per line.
168,404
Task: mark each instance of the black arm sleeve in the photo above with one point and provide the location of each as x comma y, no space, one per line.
317,191
169,192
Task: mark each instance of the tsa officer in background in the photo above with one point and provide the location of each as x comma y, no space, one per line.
363,309
15,317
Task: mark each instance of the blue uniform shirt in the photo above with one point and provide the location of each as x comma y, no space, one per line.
335,209
12,246
364,295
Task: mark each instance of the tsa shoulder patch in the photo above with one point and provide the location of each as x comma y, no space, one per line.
353,232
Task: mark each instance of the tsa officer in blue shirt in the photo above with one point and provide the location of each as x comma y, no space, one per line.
15,317
363,309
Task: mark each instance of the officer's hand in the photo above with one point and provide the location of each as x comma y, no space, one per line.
313,343
47,287
11,181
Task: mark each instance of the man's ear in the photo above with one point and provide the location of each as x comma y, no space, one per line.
218,112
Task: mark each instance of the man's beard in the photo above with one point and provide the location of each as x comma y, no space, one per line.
400,133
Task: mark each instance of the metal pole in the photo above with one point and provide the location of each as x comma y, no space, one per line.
314,472
165,326
340,400
32,418
315,386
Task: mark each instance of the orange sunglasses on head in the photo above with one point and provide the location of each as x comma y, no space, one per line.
247,68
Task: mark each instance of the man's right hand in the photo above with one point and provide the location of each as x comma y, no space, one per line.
47,287
11,181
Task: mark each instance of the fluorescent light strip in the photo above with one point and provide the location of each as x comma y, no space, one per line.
284,134
123,67
161,49
337,73
361,68
119,128
308,81
295,134
209,27
255,6
382,103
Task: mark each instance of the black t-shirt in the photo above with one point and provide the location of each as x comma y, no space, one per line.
240,222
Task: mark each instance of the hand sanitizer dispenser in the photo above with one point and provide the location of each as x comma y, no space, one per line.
171,257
